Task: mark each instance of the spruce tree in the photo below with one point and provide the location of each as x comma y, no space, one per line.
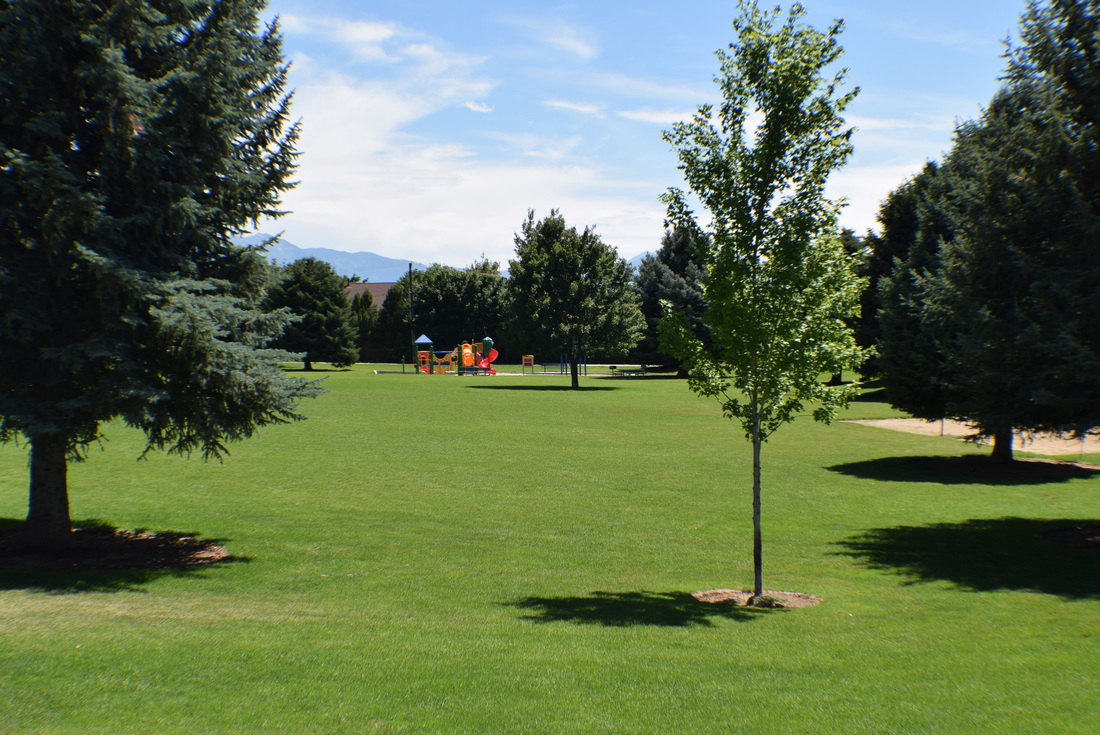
312,290
673,275
993,317
136,140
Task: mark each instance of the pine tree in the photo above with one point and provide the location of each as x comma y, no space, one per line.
994,317
312,290
136,139
672,275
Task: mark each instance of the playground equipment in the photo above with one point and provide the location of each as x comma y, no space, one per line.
468,358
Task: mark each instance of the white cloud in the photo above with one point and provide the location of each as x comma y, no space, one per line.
477,106
660,117
582,107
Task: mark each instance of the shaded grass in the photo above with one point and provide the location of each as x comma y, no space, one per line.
431,555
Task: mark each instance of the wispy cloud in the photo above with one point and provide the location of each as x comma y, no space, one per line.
659,117
477,106
575,40
582,107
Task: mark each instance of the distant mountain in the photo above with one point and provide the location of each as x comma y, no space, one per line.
637,260
368,266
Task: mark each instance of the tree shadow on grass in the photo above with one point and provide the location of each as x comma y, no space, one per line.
627,609
548,388
968,469
103,558
1052,556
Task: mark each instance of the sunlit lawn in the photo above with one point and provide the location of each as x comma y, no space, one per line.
502,555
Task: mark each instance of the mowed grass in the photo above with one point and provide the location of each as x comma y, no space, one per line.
431,554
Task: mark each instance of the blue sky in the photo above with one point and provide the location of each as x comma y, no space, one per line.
431,127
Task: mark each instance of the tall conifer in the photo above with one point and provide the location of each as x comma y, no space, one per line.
137,139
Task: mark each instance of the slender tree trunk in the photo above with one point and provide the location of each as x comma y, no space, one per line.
1002,445
574,371
307,364
48,524
757,538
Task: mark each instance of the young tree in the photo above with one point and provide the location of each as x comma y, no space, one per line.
136,139
672,275
572,292
326,331
779,284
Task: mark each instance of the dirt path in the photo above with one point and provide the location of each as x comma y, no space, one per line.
1038,443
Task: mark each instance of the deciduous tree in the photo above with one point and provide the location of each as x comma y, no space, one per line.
571,292
779,283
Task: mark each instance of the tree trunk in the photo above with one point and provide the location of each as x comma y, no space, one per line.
574,372
1002,445
48,524
757,539
307,364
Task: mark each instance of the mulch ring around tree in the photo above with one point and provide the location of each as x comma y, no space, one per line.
109,548
768,598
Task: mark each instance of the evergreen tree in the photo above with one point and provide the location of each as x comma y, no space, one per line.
364,319
1003,311
312,289
136,140
672,275
571,292
779,285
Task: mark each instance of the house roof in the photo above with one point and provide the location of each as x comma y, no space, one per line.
377,291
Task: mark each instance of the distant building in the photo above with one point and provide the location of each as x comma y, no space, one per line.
377,291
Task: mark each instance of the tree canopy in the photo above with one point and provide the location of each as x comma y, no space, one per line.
571,292
673,275
449,305
326,331
991,318
136,140
780,286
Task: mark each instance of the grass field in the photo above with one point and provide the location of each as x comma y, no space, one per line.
502,555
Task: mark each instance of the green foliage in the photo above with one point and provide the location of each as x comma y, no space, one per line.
136,140
781,287
779,282
992,316
672,275
326,331
571,292
449,305
365,319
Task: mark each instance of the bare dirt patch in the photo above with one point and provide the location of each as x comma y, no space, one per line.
1038,443
768,598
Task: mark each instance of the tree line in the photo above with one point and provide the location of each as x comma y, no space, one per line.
567,293
153,134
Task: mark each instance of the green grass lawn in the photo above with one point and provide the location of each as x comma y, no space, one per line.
432,554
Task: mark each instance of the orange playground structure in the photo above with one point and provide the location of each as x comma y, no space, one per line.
468,358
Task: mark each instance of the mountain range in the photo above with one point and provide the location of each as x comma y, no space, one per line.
370,267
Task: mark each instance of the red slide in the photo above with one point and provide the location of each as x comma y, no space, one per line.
484,364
